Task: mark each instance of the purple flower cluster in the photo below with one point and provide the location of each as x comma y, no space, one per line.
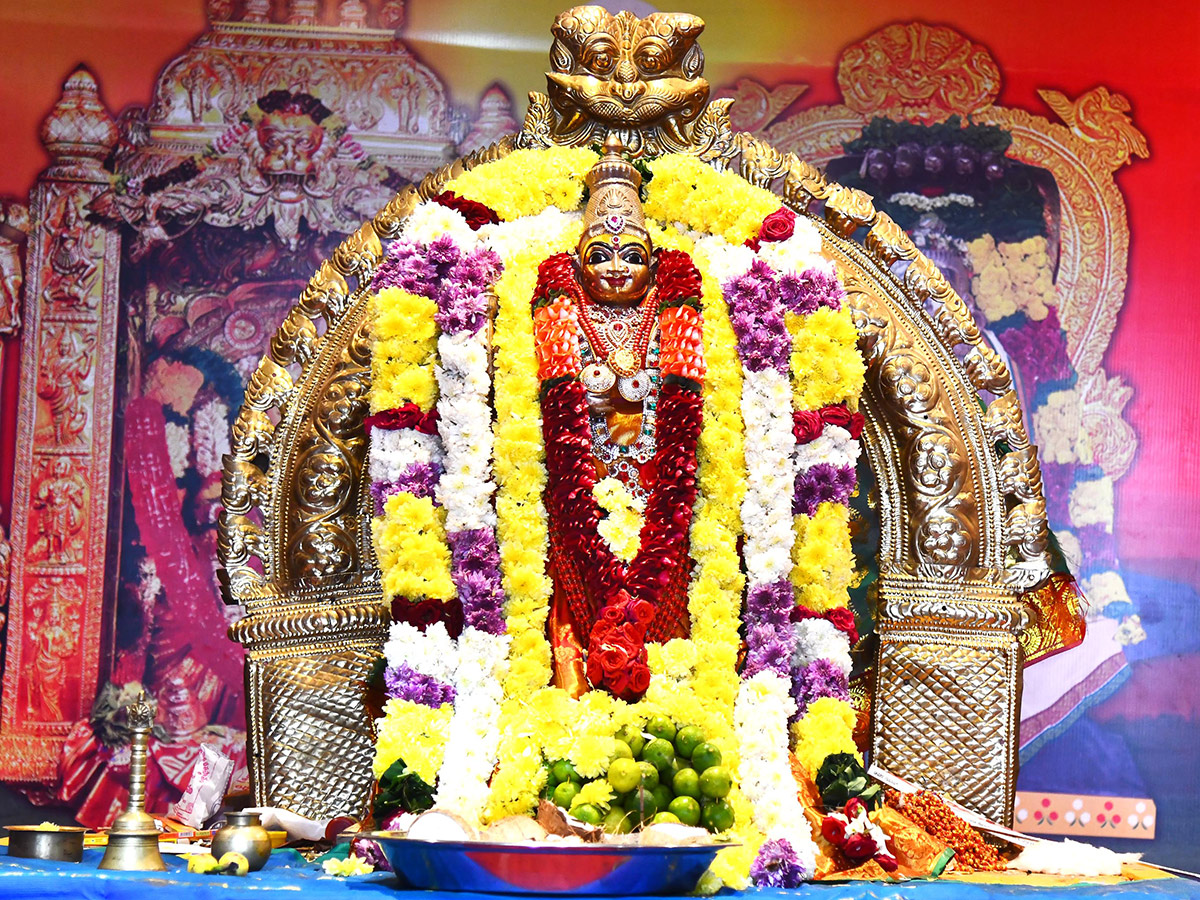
1038,350
803,293
770,640
820,678
777,866
419,479
403,682
822,483
475,569
756,313
457,282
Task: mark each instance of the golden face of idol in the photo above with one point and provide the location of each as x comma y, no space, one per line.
615,269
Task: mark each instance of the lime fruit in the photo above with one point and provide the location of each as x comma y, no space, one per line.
586,812
717,815
633,737
686,783
622,751
662,796
565,793
617,821
642,804
564,771
649,775
687,739
661,727
715,782
686,810
662,817
624,775
659,753
705,756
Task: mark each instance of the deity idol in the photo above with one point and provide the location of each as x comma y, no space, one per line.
610,290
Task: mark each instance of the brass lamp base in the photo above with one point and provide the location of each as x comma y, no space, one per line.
133,852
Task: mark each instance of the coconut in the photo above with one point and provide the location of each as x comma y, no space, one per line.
558,823
514,829
673,834
441,825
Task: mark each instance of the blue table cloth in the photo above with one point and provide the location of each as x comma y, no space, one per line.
286,874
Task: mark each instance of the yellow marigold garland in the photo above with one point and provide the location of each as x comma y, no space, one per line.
405,348
827,727
685,189
419,731
410,543
826,366
822,558
528,181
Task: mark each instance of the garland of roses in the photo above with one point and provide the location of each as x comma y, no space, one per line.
627,595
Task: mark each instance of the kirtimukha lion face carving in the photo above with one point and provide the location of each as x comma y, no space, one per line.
626,75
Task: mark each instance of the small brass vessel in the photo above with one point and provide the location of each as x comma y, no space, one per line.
63,844
243,833
133,838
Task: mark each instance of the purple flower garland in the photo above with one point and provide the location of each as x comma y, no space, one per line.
756,313
403,682
822,483
820,678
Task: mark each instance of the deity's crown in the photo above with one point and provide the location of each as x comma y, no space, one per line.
614,205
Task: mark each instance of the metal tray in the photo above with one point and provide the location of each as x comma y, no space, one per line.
546,868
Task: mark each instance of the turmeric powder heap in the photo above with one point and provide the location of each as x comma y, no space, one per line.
927,809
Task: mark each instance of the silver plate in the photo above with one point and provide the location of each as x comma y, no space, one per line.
547,868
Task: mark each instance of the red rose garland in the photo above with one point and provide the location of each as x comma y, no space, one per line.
476,214
808,423
627,596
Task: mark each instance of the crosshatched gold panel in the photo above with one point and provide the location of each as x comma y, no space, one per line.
945,713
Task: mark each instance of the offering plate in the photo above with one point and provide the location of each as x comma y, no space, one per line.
546,867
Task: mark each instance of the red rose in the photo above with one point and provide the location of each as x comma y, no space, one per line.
639,678
476,214
423,613
641,612
842,619
833,830
806,425
843,418
407,416
836,415
886,862
778,226
858,846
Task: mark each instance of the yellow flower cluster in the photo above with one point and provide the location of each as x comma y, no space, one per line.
686,190
622,526
827,727
343,868
410,543
1011,278
405,347
826,365
822,558
414,733
528,181
522,530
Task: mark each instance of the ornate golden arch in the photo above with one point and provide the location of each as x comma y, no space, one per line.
963,526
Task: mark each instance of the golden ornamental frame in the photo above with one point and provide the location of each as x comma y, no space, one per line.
963,529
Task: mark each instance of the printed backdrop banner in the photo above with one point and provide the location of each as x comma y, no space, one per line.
160,211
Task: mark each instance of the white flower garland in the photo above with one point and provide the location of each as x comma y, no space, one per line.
764,705
473,739
394,451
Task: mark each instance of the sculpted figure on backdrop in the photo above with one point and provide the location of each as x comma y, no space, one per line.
60,499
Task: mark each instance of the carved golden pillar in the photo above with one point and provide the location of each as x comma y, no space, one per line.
64,451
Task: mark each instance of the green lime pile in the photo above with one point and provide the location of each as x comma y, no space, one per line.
663,774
